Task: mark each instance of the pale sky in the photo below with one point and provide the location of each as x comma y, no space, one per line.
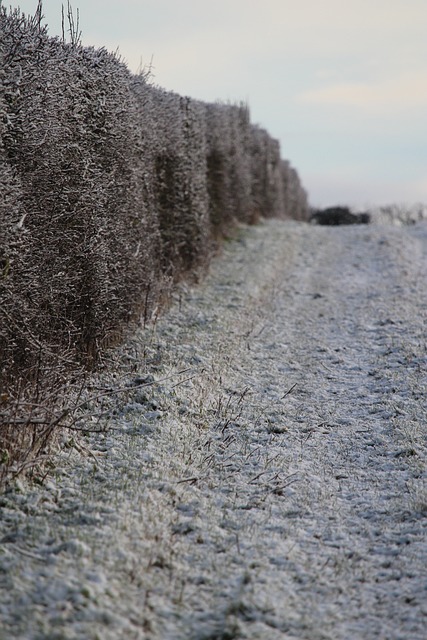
341,83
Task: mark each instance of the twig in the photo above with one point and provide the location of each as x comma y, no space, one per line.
28,554
192,480
289,391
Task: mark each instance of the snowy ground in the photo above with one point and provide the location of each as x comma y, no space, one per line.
266,479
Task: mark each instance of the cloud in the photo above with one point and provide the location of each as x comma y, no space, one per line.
406,90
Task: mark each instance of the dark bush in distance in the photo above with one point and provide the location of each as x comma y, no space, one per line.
333,216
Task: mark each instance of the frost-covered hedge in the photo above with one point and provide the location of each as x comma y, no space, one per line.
111,189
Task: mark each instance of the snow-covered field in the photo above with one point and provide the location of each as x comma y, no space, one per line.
264,473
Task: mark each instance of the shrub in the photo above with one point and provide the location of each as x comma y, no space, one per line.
112,190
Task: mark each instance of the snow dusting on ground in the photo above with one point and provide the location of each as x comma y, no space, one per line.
263,474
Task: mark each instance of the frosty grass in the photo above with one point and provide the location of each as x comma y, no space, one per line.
263,475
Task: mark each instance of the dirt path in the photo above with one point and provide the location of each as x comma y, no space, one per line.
271,482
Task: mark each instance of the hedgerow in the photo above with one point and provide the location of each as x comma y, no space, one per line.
112,190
